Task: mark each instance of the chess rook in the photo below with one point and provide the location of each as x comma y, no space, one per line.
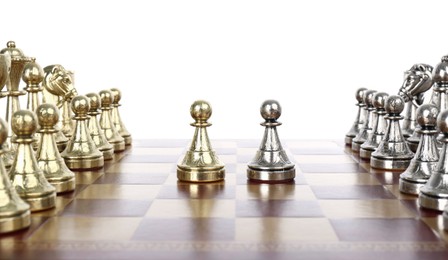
360,117
81,152
434,194
116,119
48,157
106,124
14,212
393,152
425,160
200,163
25,174
378,128
271,164
366,129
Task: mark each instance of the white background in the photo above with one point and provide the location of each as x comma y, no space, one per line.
309,55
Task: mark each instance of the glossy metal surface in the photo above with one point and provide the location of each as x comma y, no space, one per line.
366,129
106,124
360,116
18,61
48,157
116,119
270,163
425,160
200,163
378,128
14,212
59,82
393,152
81,152
434,194
94,128
5,68
25,174
33,76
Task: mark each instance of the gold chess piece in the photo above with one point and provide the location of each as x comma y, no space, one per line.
33,76
5,68
95,131
14,212
18,61
200,163
25,174
81,152
59,82
116,119
48,157
109,130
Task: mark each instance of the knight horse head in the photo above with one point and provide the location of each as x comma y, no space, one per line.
58,81
417,80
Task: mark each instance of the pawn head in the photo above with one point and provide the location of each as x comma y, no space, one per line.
117,95
200,111
47,115
32,73
95,101
106,97
379,100
360,94
427,115
368,97
270,110
24,123
442,121
80,105
394,104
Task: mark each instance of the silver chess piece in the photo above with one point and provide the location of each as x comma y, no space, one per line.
434,194
25,174
48,157
425,160
94,127
366,128
417,80
445,218
271,164
14,212
393,152
360,116
379,126
116,119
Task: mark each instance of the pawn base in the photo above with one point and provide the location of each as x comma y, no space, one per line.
15,223
365,153
348,140
108,154
42,203
356,146
63,186
271,176
410,187
127,140
119,146
196,175
84,164
430,202
389,164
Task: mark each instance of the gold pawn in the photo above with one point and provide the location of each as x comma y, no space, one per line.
116,119
25,174
14,212
95,132
200,163
48,157
81,152
112,136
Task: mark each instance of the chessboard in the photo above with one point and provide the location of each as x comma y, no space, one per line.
135,208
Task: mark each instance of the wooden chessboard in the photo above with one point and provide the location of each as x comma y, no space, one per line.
135,208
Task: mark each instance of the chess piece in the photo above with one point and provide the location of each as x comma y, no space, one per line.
360,117
94,128
18,61
14,212
200,163
378,128
445,218
417,80
414,139
81,152
116,119
440,89
366,128
25,174
393,152
48,157
109,130
59,81
271,164
5,67
434,194
425,160
33,76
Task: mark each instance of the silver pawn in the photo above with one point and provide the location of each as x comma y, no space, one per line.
434,194
393,153
360,116
366,129
425,160
271,164
379,126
